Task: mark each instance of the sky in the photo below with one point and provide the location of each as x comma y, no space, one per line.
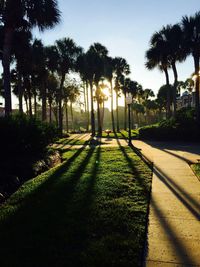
125,28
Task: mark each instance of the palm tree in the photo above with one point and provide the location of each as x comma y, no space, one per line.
147,93
157,56
65,55
125,82
40,73
22,53
100,53
191,36
164,92
52,89
109,74
82,68
172,36
74,93
15,15
122,69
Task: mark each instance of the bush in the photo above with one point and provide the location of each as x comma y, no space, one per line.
23,142
183,127
22,135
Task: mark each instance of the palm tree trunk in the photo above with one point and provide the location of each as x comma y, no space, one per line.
26,102
60,114
88,114
197,107
125,113
103,111
132,119
44,102
35,104
6,69
29,97
168,93
112,111
99,119
72,116
66,118
92,110
20,93
85,104
175,85
98,110
50,112
30,103
117,111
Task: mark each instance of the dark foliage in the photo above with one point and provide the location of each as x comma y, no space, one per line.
23,142
183,127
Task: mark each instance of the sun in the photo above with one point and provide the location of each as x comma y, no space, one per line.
105,87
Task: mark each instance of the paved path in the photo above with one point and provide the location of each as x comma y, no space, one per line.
111,142
174,218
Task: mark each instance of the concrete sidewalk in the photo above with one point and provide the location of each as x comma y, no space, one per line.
174,218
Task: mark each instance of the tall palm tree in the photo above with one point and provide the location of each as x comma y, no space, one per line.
122,69
172,36
15,15
100,53
65,54
22,53
40,73
86,65
157,56
109,74
191,37
82,68
52,89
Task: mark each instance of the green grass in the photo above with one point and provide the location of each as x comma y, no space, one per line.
88,212
71,141
122,134
196,169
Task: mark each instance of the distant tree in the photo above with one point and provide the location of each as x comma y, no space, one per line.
164,92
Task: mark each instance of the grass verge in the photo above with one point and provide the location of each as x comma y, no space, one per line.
196,169
88,212
121,135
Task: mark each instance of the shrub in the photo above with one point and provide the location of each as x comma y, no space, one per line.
23,142
183,127
21,135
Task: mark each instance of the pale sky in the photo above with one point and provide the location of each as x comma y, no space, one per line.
125,28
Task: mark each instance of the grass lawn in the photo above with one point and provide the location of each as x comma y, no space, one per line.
88,212
71,141
122,134
196,169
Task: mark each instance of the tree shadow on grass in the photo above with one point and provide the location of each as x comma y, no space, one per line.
50,228
130,162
